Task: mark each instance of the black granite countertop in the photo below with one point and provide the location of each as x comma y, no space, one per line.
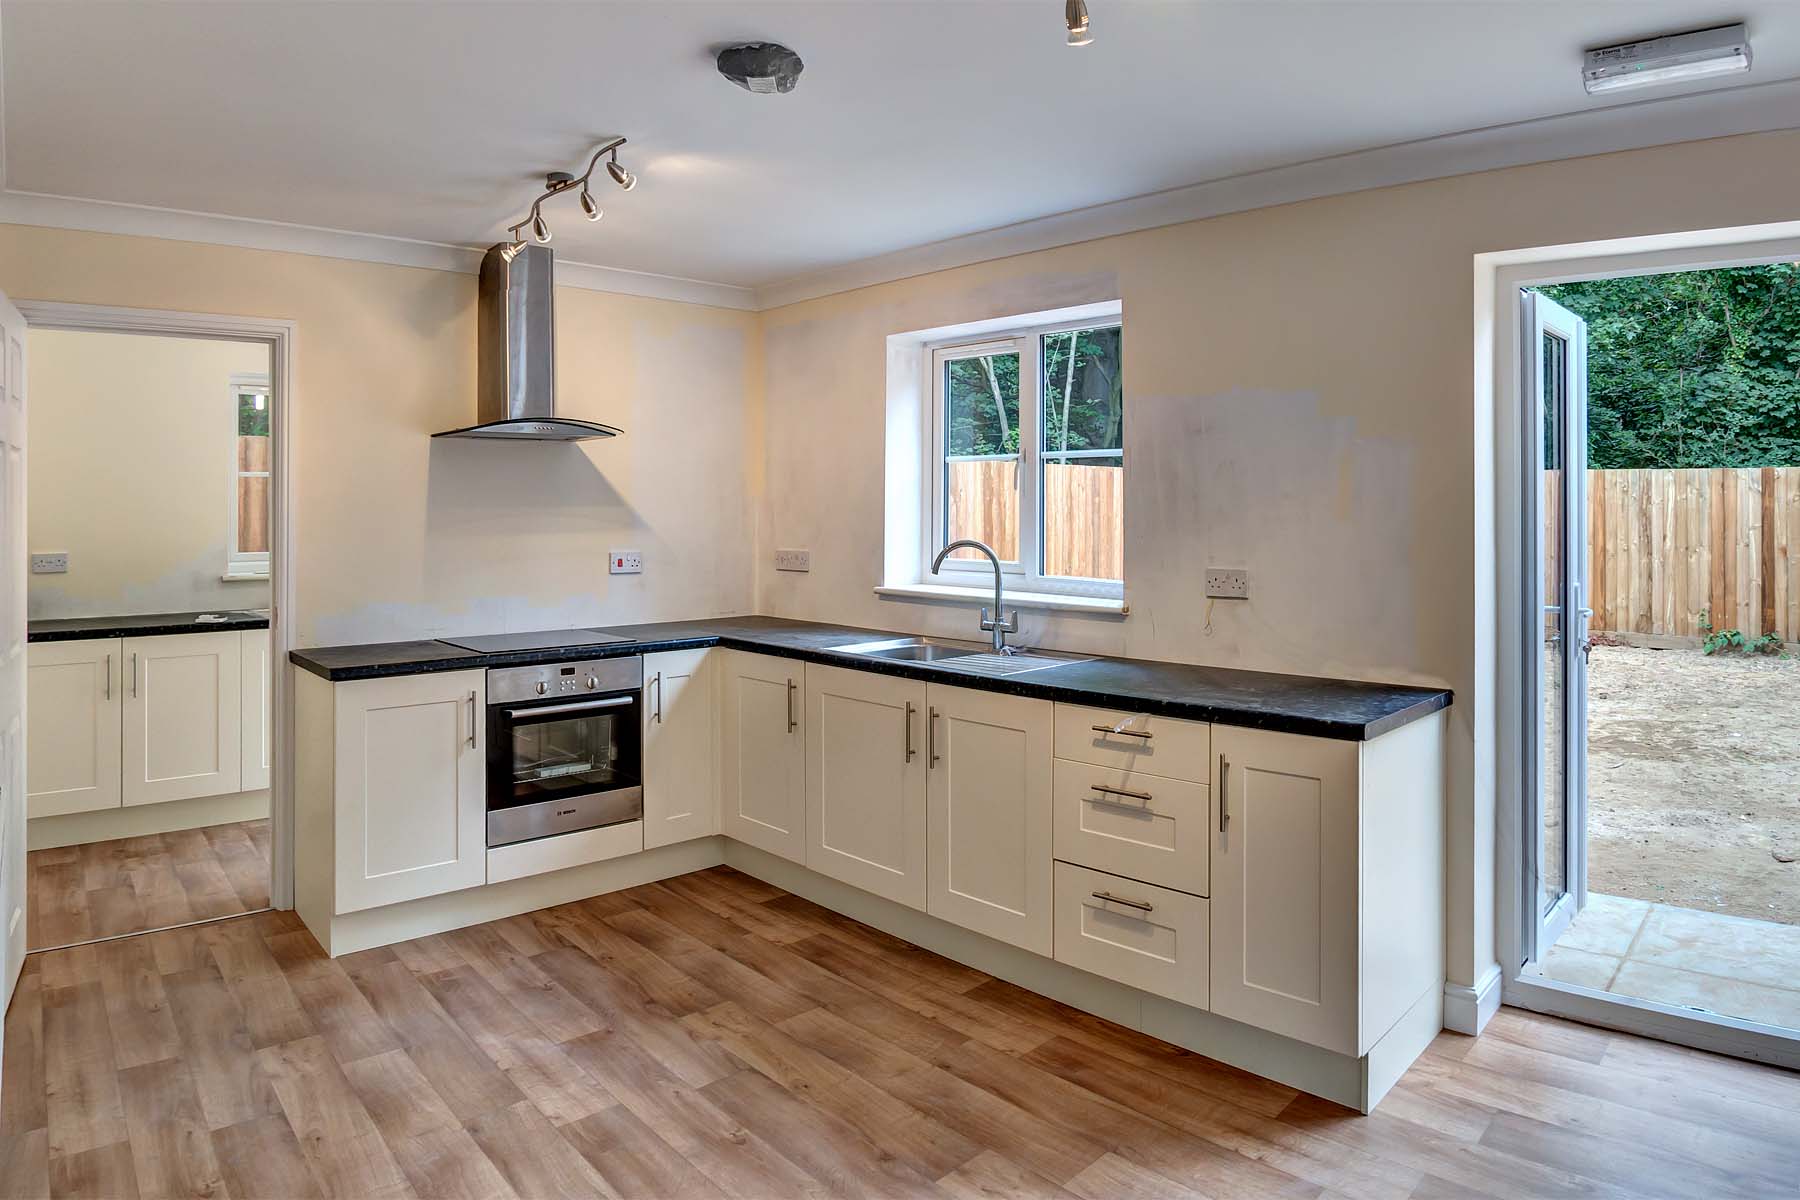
1334,708
76,629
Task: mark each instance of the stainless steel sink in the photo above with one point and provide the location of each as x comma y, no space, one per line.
969,657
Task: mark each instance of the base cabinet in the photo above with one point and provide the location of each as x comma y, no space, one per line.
183,734
681,794
990,814
257,704
865,781
408,788
762,753
73,708
1149,937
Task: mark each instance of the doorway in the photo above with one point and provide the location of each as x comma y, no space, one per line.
1660,445
158,569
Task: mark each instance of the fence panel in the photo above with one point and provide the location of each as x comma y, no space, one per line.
1084,514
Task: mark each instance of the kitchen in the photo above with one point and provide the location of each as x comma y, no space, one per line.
951,958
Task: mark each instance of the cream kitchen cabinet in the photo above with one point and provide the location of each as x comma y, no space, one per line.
256,704
990,867
183,721
865,781
681,795
407,782
762,753
74,703
1327,888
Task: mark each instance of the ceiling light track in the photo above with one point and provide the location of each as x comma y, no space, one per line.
558,182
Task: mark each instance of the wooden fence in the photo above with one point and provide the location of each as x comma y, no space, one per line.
253,496
1084,514
1666,546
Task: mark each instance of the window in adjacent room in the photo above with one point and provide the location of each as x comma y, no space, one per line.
249,550
1028,436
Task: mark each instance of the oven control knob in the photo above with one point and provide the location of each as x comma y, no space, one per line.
542,687
593,681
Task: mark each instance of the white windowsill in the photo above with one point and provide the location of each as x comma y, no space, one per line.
1099,605
245,577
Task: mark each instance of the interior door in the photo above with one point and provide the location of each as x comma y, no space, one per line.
13,554
1554,838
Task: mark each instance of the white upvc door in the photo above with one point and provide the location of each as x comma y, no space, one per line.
865,781
183,717
762,753
1285,880
75,704
681,795
256,703
13,717
989,760
1554,840
410,787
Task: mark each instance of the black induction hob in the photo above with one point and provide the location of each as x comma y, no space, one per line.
543,639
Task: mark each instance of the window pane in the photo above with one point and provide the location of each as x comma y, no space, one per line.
253,414
981,446
1084,492
253,514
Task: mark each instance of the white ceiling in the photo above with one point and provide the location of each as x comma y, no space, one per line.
914,122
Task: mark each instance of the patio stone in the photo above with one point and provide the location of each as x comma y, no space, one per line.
1572,965
1606,925
1762,952
1728,997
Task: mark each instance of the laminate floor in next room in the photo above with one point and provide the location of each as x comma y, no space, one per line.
712,1036
128,885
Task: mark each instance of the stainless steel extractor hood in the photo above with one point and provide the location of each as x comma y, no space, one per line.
516,365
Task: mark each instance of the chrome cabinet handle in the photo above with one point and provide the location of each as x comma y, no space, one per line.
1123,732
134,674
1112,899
658,682
906,742
1126,792
546,710
1224,792
471,720
108,678
790,706
931,759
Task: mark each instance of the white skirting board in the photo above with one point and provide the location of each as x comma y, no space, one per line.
1357,1083
1469,1009
140,820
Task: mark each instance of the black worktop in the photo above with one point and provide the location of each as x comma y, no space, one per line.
77,629
1334,708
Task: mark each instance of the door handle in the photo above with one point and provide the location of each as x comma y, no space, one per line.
658,682
790,706
134,674
931,754
1224,792
907,741
108,678
471,720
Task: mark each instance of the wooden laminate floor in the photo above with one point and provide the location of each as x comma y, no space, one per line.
127,885
712,1036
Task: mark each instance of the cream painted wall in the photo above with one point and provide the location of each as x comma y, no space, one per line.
400,536
1299,387
131,443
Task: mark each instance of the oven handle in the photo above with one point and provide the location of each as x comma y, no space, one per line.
548,710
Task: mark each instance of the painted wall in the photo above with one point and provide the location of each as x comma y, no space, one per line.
131,442
400,536
1299,403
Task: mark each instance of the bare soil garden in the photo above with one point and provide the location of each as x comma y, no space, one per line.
1694,780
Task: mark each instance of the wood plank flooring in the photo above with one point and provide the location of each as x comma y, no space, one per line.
712,1036
128,885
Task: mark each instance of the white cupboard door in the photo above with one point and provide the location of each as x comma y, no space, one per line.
681,796
14,718
410,786
865,781
990,815
1284,878
256,706
73,709
762,754
183,721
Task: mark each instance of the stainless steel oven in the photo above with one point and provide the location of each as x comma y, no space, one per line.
564,748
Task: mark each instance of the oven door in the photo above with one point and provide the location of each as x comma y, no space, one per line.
556,766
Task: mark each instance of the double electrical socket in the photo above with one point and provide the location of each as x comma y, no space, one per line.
1227,583
56,563
793,560
625,562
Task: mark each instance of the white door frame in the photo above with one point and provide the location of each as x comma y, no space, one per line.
1499,277
280,337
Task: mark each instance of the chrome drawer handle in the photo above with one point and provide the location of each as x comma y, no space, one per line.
1123,732
906,744
1112,899
1126,792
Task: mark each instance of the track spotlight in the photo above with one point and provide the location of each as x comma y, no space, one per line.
540,230
511,250
1076,14
621,176
558,182
588,204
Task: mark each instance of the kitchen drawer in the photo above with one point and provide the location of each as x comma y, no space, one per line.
1132,824
1157,745
1157,942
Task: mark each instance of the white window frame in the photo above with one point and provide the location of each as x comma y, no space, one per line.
1025,573
241,565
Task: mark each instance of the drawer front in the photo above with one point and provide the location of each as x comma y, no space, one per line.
1147,937
1130,741
1131,824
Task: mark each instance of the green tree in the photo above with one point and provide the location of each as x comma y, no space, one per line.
1692,369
